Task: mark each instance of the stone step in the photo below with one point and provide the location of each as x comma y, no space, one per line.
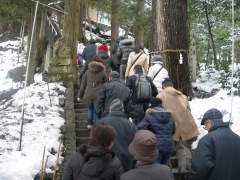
81,116
81,110
81,140
82,132
80,105
81,124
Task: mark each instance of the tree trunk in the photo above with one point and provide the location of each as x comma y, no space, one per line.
83,13
138,27
172,33
34,50
71,29
210,34
114,22
154,43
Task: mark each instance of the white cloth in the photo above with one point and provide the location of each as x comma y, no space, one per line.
163,74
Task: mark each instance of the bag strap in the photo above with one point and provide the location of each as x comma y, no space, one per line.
157,73
136,59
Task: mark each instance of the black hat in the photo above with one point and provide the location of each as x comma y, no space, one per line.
114,74
213,115
167,82
155,102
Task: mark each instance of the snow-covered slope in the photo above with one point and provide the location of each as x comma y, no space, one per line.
41,125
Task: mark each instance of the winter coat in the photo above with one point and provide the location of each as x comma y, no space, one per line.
125,47
217,155
149,172
125,133
94,164
92,81
103,48
132,62
163,74
110,91
161,124
175,102
89,52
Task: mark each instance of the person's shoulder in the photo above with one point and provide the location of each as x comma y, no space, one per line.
130,174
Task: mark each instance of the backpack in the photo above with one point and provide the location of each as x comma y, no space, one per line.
143,89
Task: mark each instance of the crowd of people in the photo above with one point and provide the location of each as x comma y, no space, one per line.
138,120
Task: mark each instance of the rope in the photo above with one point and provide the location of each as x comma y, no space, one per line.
51,7
169,51
233,59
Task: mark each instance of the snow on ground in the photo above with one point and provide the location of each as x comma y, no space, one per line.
221,101
41,125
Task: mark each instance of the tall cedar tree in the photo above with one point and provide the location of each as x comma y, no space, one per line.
172,33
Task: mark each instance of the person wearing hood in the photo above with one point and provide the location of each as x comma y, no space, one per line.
186,131
157,72
95,160
125,133
126,46
92,81
109,92
144,149
160,122
137,57
217,154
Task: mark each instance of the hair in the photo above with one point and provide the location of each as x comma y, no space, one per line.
92,41
167,82
137,48
102,134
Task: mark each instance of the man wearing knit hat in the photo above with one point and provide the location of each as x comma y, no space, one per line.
157,72
217,155
110,91
125,133
144,149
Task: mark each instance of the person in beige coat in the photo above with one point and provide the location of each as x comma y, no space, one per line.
186,131
137,57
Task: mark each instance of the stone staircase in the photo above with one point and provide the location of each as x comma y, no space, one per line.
82,133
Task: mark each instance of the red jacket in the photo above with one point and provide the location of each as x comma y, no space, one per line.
103,48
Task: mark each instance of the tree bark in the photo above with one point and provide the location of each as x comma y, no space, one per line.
83,13
71,28
34,50
172,33
154,43
138,27
210,34
114,22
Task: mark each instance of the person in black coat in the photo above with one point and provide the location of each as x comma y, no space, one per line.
161,123
125,133
96,160
217,154
110,91
138,109
90,51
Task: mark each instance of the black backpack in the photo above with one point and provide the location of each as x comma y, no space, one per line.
143,89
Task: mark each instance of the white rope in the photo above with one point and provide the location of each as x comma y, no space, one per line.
51,7
26,76
233,59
